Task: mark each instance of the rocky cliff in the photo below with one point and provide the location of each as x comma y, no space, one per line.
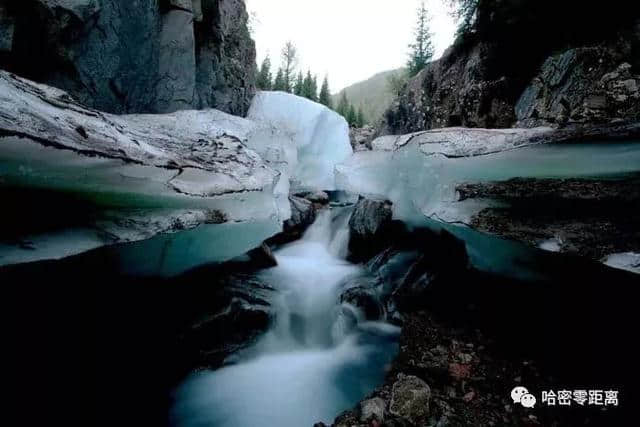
141,56
560,64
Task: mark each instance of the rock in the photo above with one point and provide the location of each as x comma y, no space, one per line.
238,312
154,57
7,28
459,371
361,137
581,85
367,227
175,89
262,257
455,90
319,197
182,4
410,399
589,217
364,294
491,81
372,409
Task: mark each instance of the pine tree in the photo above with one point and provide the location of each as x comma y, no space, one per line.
299,86
289,64
325,94
265,78
314,89
422,49
352,116
360,120
343,105
309,90
279,83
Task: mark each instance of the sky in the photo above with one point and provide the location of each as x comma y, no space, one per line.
350,40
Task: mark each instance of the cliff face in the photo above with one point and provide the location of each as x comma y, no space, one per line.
134,56
529,63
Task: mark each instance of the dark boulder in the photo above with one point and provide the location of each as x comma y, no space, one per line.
369,226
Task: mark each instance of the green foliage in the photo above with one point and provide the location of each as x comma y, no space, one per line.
396,82
299,86
265,78
372,94
422,48
343,105
279,83
325,93
360,119
309,87
352,116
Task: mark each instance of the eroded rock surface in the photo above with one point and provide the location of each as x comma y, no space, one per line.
593,218
143,57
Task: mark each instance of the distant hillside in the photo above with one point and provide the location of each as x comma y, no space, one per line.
373,94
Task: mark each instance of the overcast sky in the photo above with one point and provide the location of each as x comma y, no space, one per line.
351,40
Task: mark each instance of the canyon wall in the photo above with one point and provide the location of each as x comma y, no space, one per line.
134,56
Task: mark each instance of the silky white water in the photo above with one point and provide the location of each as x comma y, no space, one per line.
318,359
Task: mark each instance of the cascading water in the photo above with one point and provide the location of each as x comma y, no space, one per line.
319,357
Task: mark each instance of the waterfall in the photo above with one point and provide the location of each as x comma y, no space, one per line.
318,358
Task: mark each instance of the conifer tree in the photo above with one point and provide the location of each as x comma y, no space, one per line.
289,64
309,91
343,105
299,86
264,79
422,48
279,83
352,116
325,94
360,120
314,88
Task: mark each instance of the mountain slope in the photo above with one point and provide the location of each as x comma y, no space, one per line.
373,94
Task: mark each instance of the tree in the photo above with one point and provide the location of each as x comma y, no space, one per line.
314,88
265,78
422,48
279,83
325,94
396,82
298,89
289,64
360,120
352,116
309,89
343,105
465,12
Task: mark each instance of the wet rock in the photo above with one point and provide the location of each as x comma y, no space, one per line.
410,399
368,225
238,313
262,257
372,409
302,212
364,293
